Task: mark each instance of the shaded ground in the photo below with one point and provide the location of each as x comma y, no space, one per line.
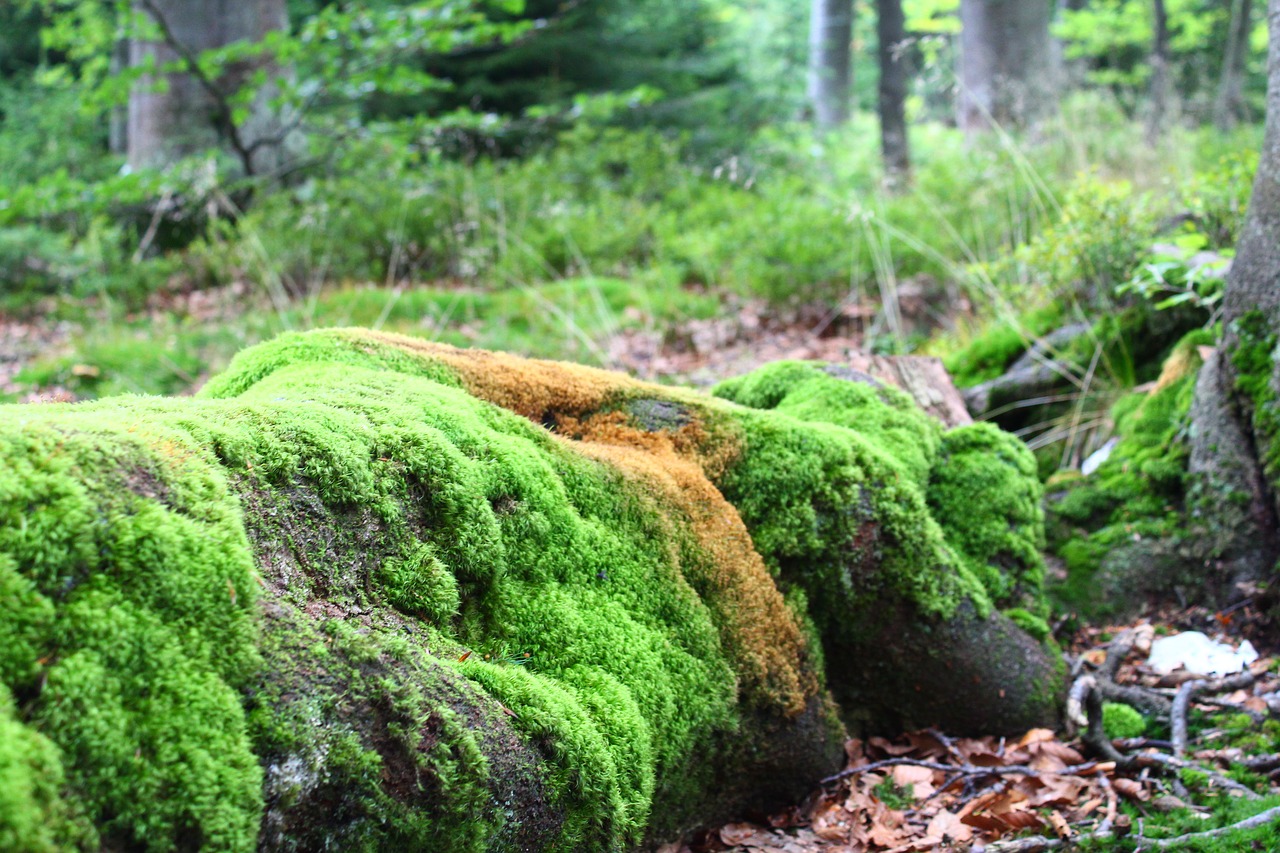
925,792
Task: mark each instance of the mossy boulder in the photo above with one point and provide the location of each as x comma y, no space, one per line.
366,592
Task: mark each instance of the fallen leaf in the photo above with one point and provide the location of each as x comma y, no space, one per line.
832,824
1130,789
1036,736
738,834
948,826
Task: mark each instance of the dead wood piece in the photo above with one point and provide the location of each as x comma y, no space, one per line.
1146,700
1159,759
1261,819
1189,691
1113,804
923,377
962,769
1033,844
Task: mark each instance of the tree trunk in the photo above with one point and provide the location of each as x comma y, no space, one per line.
1230,107
891,32
1235,456
1159,71
830,73
1073,71
192,111
1007,76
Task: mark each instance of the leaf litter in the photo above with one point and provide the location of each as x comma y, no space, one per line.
925,791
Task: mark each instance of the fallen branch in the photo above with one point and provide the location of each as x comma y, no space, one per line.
1151,759
1271,815
1189,690
1095,738
965,769
1113,804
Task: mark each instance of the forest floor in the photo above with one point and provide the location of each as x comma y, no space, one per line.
1199,766
742,335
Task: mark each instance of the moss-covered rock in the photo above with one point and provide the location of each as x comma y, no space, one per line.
366,592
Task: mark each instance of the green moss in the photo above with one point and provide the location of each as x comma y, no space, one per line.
1122,721
33,816
453,608
884,417
1137,496
1253,357
421,585
1034,625
136,547
989,354
548,553
986,496
835,514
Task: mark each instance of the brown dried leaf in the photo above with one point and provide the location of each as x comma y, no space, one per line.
1036,736
1057,791
1023,820
737,834
926,744
888,747
918,779
1058,751
1131,790
946,825
832,824
985,822
1060,826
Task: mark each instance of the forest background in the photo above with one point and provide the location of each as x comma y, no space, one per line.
681,190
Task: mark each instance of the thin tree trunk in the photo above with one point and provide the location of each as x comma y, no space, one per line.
830,65
1229,107
118,118
1159,71
891,31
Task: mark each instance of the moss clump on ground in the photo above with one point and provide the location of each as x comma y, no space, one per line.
990,353
1118,531
340,599
1122,721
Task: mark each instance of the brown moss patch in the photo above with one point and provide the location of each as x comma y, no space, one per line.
537,390
769,650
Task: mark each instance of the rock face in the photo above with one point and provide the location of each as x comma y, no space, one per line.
366,592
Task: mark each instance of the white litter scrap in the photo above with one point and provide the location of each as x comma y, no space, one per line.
1195,652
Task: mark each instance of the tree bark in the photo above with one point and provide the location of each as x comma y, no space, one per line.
191,111
1230,108
891,31
1253,284
1234,456
1007,75
1159,70
830,69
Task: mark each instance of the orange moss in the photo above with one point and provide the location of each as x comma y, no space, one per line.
761,635
531,388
